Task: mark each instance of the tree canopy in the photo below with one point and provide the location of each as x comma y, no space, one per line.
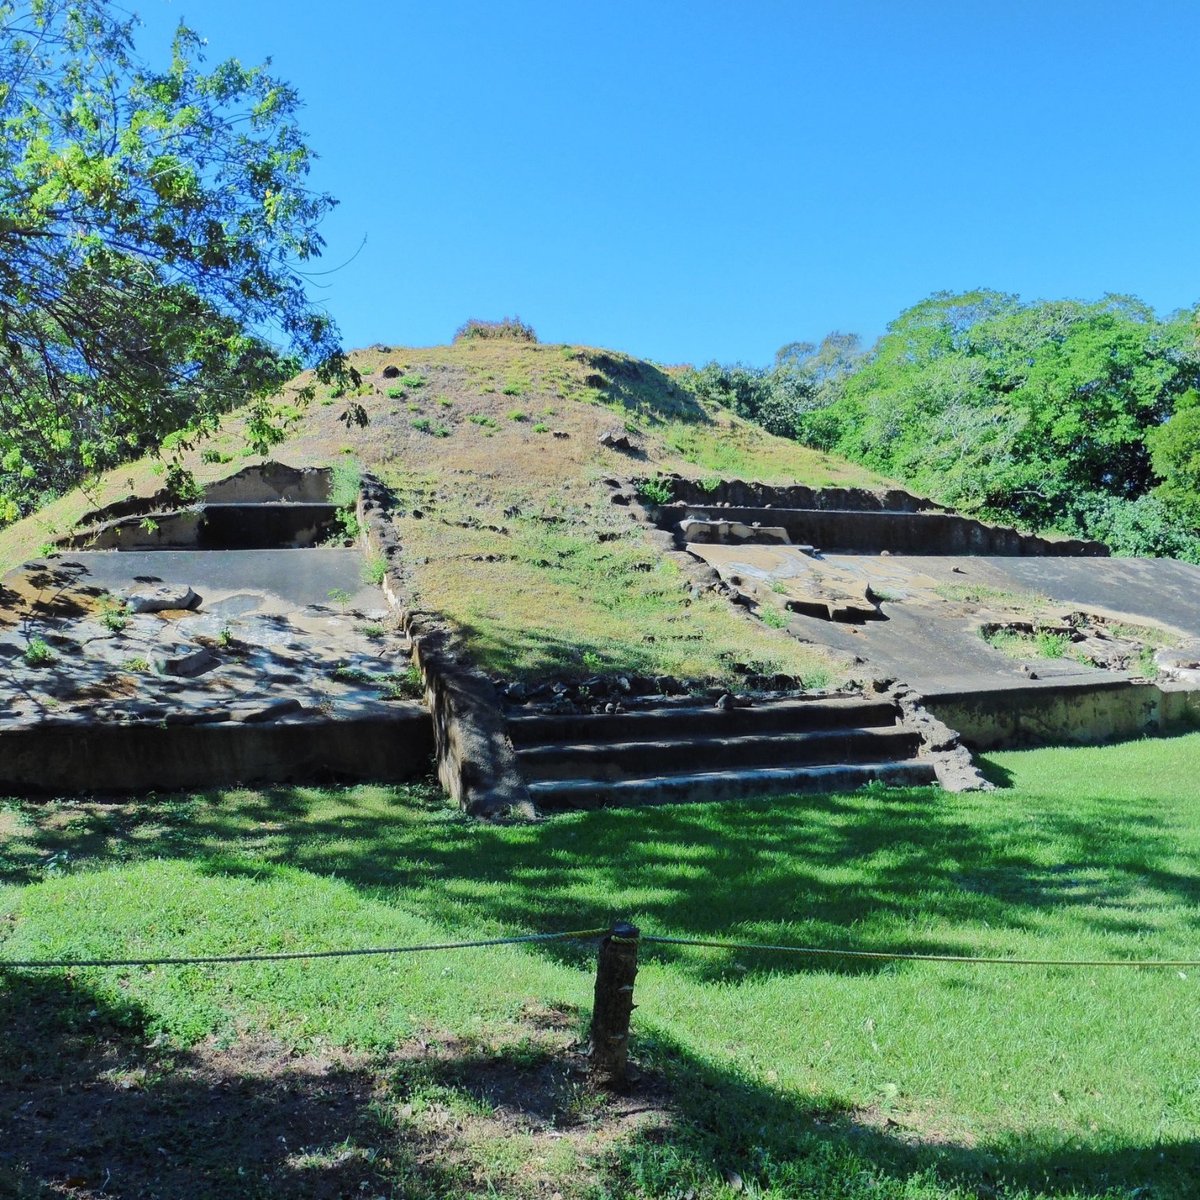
1059,415
154,224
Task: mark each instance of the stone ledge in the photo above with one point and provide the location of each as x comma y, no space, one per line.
475,759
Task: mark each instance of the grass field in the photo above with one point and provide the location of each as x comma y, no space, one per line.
454,1074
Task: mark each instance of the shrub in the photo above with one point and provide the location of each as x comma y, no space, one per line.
374,570
38,653
657,491
346,479
512,329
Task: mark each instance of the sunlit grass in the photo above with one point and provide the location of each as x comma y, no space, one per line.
1060,1079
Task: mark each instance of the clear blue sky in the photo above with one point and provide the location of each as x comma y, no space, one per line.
689,181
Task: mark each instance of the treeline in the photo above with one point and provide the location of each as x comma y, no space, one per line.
1059,416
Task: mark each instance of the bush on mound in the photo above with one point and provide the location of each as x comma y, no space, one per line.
512,328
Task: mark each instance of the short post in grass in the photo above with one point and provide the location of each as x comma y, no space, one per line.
615,973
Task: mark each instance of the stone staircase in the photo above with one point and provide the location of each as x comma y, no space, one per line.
678,752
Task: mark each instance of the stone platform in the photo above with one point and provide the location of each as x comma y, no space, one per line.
934,606
286,668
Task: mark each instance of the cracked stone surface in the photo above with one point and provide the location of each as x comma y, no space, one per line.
268,641
930,635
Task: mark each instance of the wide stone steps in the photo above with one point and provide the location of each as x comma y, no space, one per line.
626,760
725,785
688,752
781,716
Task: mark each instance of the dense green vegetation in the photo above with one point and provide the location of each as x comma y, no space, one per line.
1058,415
803,1077
154,224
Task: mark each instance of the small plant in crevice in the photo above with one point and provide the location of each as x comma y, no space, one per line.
345,482
373,632
38,653
592,661
773,618
345,673
406,685
339,596
658,490
374,570
114,613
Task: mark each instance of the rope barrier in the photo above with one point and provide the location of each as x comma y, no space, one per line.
580,935
901,956
584,935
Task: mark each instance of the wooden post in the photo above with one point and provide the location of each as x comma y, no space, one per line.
615,973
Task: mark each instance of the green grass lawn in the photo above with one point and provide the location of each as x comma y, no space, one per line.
797,1077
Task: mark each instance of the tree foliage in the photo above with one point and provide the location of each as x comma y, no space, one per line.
804,379
1059,415
153,230
1046,413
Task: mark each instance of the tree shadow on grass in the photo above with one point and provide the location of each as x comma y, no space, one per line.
787,1146
826,870
91,1105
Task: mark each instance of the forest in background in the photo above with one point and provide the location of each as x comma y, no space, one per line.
1056,415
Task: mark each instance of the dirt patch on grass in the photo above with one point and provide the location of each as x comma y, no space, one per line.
92,1106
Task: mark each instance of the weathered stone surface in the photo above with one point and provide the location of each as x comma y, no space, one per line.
614,439
699,529
185,660
160,599
270,711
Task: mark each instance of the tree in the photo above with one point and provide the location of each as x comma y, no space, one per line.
1175,454
153,230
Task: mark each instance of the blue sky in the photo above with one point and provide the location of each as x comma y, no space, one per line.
689,181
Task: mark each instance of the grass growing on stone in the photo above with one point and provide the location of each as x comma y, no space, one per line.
570,586
1041,643
794,1076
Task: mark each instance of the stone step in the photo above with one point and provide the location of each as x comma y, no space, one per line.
726,785
640,759
656,724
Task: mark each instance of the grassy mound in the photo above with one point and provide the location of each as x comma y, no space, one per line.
494,442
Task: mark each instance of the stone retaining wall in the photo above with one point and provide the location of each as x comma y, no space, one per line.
262,483
1077,713
475,760
61,757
